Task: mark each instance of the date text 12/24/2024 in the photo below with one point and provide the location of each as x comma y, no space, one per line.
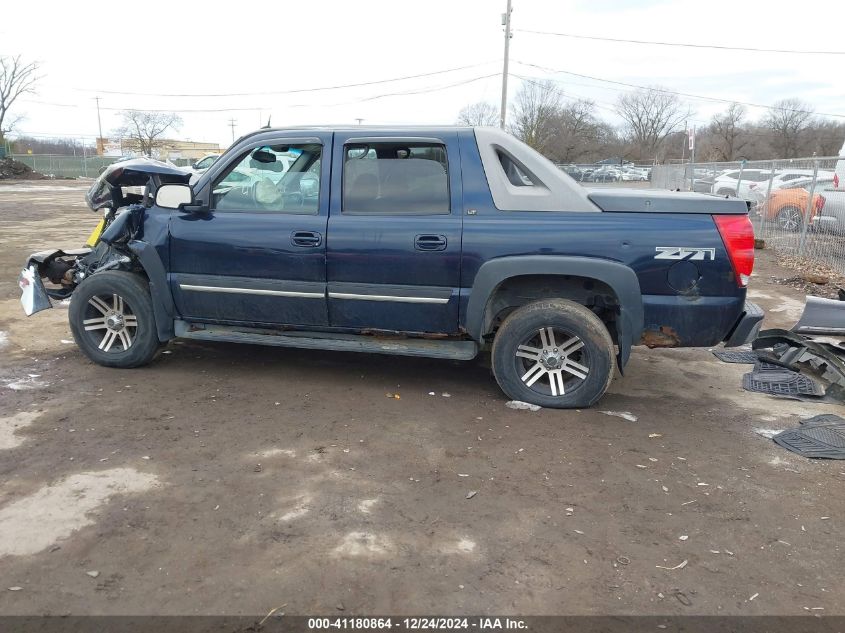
417,623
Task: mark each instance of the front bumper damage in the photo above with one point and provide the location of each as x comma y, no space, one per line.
59,267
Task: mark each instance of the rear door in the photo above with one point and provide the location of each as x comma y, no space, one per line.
256,254
394,233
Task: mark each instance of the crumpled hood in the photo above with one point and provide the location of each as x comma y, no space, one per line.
137,172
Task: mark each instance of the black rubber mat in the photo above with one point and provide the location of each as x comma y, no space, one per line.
781,382
739,356
825,419
818,441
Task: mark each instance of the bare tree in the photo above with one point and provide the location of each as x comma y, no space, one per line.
535,114
579,132
729,137
144,129
650,115
481,113
16,78
786,121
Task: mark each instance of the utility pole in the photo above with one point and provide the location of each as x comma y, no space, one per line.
232,124
99,127
506,22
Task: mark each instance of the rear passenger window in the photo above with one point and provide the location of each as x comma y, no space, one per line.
395,178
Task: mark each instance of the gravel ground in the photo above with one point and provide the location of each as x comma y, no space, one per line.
226,479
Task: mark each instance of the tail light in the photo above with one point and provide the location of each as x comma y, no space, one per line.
738,235
820,200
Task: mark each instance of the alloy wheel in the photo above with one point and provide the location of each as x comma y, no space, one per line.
110,323
552,361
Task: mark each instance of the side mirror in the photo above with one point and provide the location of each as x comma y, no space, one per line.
173,196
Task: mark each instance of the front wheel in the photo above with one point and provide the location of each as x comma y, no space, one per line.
554,353
111,317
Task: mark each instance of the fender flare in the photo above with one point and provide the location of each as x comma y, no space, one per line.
619,277
163,306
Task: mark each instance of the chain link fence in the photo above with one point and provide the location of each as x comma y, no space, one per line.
797,205
62,166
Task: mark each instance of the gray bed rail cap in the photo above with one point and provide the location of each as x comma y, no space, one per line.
626,200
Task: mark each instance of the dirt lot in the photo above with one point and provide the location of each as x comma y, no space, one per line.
231,480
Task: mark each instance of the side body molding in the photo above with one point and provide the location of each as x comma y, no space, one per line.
163,307
621,279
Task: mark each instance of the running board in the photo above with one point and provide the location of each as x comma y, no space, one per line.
429,348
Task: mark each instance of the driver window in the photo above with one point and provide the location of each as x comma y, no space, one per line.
271,179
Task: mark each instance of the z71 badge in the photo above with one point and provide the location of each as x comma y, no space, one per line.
685,252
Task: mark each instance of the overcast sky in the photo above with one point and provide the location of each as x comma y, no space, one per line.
111,49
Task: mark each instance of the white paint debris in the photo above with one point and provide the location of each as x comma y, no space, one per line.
25,384
767,433
272,452
10,425
363,544
791,308
519,405
366,505
462,546
625,415
55,512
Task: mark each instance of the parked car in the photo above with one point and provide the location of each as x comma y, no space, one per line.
728,183
831,214
631,174
203,163
784,178
606,174
438,242
788,206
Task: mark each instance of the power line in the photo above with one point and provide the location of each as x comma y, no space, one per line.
680,94
684,45
285,92
294,105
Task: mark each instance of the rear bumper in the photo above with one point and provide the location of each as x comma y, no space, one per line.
747,327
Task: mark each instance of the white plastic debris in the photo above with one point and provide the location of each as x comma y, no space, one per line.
519,405
625,415
767,433
680,565
471,494
93,574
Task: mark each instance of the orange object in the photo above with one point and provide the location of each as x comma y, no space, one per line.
788,207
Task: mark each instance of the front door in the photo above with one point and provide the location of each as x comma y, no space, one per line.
394,233
256,255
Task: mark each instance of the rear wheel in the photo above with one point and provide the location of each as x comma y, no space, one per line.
111,317
553,353
790,218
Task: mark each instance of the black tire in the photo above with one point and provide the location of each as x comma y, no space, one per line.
102,331
569,321
790,218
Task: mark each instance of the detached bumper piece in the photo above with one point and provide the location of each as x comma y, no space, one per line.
747,327
822,316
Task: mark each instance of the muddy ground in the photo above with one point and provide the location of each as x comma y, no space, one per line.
227,479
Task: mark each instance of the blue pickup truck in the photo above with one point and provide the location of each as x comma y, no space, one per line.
416,241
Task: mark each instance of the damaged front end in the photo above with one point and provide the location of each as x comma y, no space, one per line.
123,193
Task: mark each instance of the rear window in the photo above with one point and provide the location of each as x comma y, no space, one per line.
395,178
